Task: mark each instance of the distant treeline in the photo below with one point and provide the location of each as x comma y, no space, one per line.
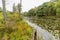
51,8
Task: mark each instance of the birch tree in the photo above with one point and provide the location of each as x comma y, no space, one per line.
4,11
14,8
19,6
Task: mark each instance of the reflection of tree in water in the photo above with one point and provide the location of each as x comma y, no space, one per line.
35,35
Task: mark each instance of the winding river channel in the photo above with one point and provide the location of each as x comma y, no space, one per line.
41,33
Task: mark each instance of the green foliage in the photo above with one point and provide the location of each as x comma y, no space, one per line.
31,12
46,9
49,23
57,6
0,9
15,29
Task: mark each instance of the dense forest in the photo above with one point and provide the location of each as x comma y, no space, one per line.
46,9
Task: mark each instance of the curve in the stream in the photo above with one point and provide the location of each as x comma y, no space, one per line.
41,33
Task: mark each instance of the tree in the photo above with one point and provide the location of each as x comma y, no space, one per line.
20,6
32,12
46,9
19,9
4,11
57,8
14,8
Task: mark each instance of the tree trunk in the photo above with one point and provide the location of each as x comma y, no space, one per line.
4,11
20,5
14,8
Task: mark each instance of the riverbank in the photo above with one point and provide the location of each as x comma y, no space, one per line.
49,23
40,34
15,29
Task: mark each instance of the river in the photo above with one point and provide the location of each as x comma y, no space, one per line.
41,33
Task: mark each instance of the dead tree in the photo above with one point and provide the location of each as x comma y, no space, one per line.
4,11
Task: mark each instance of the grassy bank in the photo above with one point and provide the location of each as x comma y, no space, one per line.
49,23
15,29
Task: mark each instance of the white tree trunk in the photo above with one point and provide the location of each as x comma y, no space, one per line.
4,10
20,9
20,5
